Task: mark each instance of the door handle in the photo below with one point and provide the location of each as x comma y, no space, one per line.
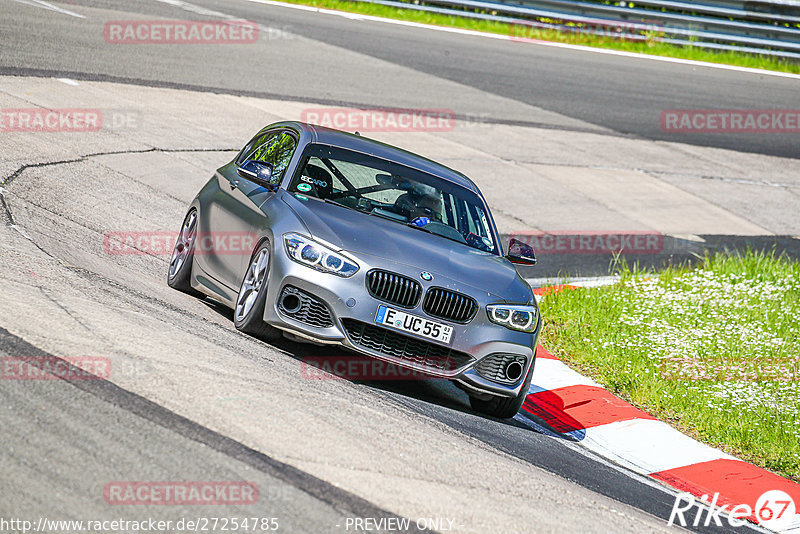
234,184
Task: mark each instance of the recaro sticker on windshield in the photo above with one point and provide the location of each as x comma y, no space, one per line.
320,183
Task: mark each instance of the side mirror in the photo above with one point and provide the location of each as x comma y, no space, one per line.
257,172
519,252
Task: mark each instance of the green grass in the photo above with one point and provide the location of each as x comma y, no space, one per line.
713,350
649,46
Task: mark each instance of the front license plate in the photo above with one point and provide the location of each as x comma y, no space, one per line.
406,322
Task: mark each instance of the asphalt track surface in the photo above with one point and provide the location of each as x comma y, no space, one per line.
50,444
621,95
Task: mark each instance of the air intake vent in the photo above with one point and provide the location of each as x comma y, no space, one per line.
399,346
495,367
449,305
304,307
394,288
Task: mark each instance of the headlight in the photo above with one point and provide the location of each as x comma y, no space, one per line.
312,254
522,318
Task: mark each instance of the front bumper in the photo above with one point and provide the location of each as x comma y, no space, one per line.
347,300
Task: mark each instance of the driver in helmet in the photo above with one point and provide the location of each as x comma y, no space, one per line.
422,204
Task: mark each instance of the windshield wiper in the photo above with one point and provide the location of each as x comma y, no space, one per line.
462,240
411,225
329,201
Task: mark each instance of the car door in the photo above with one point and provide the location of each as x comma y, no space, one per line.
235,212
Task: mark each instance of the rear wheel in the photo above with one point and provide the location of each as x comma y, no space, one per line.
504,407
179,275
249,310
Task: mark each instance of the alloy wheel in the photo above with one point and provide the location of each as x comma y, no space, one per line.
184,244
253,283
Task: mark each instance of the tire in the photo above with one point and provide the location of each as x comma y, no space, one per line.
248,312
179,274
504,407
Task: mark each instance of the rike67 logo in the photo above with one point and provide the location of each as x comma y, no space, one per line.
774,509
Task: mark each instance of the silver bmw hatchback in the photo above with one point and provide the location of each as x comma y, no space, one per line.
345,240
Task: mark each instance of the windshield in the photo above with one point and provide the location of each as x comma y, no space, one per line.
385,189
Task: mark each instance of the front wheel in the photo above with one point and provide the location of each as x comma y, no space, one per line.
249,310
504,407
179,275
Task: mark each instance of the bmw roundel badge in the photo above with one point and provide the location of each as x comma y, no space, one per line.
425,275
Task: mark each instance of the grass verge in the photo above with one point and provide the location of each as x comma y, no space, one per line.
713,350
649,46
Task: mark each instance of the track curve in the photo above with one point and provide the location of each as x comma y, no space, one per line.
66,295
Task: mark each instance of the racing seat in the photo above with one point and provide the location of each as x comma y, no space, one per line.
320,176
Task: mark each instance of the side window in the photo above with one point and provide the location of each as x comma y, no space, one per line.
258,140
277,151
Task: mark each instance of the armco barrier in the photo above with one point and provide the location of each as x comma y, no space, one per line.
766,27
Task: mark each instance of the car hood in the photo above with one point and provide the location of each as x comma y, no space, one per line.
366,235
